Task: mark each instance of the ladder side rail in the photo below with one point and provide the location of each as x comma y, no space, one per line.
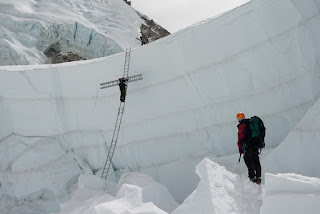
135,79
138,76
109,84
110,157
126,64
113,81
109,165
109,154
116,82
114,140
117,130
106,165
127,74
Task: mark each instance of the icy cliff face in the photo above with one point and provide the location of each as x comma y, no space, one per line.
90,29
262,59
291,193
303,142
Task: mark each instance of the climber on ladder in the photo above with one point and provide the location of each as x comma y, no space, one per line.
123,88
122,82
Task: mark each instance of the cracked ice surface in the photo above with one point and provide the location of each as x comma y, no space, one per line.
261,58
90,29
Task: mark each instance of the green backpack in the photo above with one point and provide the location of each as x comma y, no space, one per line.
256,129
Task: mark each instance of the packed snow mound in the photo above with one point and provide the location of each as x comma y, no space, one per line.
220,191
129,200
90,29
299,152
291,193
91,198
90,192
152,191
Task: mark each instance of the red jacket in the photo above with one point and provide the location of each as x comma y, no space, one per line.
241,136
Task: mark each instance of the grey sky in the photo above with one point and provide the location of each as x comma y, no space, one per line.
178,14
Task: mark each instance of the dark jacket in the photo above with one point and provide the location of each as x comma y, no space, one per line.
144,39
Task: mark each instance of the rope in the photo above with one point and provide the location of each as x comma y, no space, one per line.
236,163
244,202
234,167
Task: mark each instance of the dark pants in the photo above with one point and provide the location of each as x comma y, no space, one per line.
123,90
251,158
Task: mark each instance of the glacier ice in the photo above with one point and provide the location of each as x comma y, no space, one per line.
298,153
261,58
220,191
291,193
30,28
91,197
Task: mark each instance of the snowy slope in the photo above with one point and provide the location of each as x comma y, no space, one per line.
90,29
220,191
91,197
261,58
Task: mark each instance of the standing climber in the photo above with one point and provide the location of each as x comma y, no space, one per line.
250,137
144,39
123,88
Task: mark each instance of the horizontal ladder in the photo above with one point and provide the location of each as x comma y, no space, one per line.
116,82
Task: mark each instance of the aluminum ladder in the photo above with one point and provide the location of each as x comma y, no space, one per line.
116,131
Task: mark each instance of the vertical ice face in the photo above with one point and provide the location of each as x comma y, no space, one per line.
291,193
299,151
261,58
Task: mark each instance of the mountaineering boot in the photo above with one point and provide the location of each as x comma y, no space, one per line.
258,181
253,180
122,98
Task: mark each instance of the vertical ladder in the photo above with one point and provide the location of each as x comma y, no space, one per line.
116,130
126,63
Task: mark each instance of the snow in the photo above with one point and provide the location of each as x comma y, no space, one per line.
91,197
298,153
90,29
261,58
220,191
291,193
151,190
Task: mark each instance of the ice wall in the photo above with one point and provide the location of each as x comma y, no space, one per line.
291,193
261,58
298,153
194,83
